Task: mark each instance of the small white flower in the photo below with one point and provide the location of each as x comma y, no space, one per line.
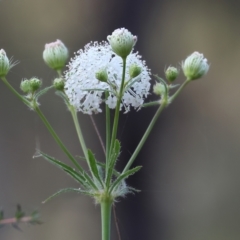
122,42
85,91
195,66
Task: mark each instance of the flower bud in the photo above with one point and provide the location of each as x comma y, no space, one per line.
171,73
122,42
159,89
101,75
59,84
4,63
134,70
195,66
25,86
34,84
55,55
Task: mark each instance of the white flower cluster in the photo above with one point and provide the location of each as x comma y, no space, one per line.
86,92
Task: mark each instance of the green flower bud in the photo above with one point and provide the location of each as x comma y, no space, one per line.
122,42
5,64
159,89
34,84
101,75
59,84
171,73
134,70
25,86
55,55
195,66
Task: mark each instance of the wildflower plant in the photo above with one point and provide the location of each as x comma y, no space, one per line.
106,75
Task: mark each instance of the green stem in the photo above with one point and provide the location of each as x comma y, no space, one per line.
164,102
150,104
179,90
57,139
59,72
106,207
145,136
79,132
117,110
23,99
108,128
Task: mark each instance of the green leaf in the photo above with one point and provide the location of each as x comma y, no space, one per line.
78,190
73,173
1,215
15,225
113,159
35,218
124,176
19,213
93,167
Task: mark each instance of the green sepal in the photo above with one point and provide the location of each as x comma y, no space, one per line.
112,161
93,167
78,190
43,91
124,176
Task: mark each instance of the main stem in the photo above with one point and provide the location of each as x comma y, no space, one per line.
117,110
106,207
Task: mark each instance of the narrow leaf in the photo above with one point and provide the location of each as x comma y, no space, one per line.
15,225
19,213
64,191
1,215
93,166
73,173
124,176
113,159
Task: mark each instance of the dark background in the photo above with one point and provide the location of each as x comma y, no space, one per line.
190,181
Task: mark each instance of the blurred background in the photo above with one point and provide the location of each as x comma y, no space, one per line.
190,179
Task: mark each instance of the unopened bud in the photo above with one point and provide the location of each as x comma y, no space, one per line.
134,70
59,84
34,84
171,73
122,42
55,55
25,86
195,66
101,75
4,63
159,89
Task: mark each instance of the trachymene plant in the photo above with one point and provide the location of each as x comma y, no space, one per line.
112,75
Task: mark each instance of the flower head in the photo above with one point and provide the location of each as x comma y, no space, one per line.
55,55
85,91
195,66
122,42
